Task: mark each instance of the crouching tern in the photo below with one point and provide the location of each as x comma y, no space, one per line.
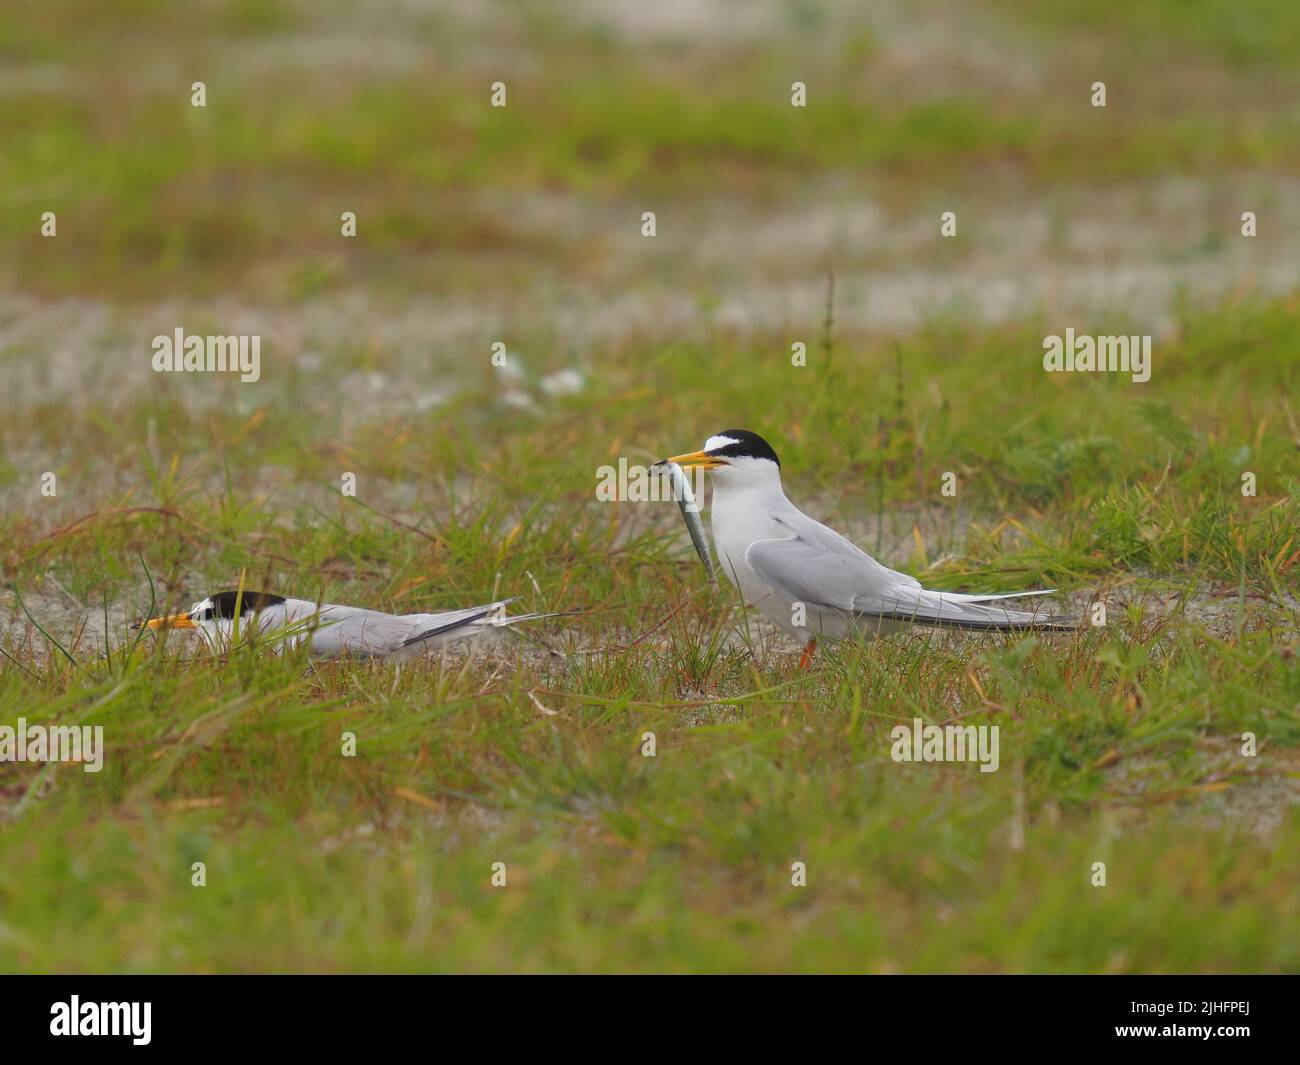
335,631
809,579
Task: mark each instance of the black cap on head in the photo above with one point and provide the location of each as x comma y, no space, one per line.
223,603
745,445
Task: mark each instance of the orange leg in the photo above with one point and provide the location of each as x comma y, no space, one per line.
805,659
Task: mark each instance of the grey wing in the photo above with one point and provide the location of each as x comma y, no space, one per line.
818,566
349,630
447,623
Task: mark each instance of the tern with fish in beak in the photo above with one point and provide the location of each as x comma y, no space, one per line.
334,631
808,578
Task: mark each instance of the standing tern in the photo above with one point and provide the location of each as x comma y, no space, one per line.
809,579
335,631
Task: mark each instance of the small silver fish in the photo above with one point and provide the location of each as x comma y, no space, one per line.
690,513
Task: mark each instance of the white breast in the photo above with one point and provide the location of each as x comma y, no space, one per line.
737,519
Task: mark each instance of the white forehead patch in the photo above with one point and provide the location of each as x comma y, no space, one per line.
717,443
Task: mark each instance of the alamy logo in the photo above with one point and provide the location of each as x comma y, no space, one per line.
53,743
208,354
1085,354
640,484
920,742
103,1018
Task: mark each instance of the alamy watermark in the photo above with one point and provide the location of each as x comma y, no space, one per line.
208,354
132,1019
1109,354
920,742
628,483
53,743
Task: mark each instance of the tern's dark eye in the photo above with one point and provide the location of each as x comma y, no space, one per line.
741,443
223,604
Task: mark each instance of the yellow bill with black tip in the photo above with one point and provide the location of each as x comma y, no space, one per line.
174,621
697,460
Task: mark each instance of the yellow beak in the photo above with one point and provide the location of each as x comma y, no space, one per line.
175,621
697,460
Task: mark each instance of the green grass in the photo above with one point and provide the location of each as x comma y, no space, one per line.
1110,477
678,862
1119,744
156,197
1122,740
1263,33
